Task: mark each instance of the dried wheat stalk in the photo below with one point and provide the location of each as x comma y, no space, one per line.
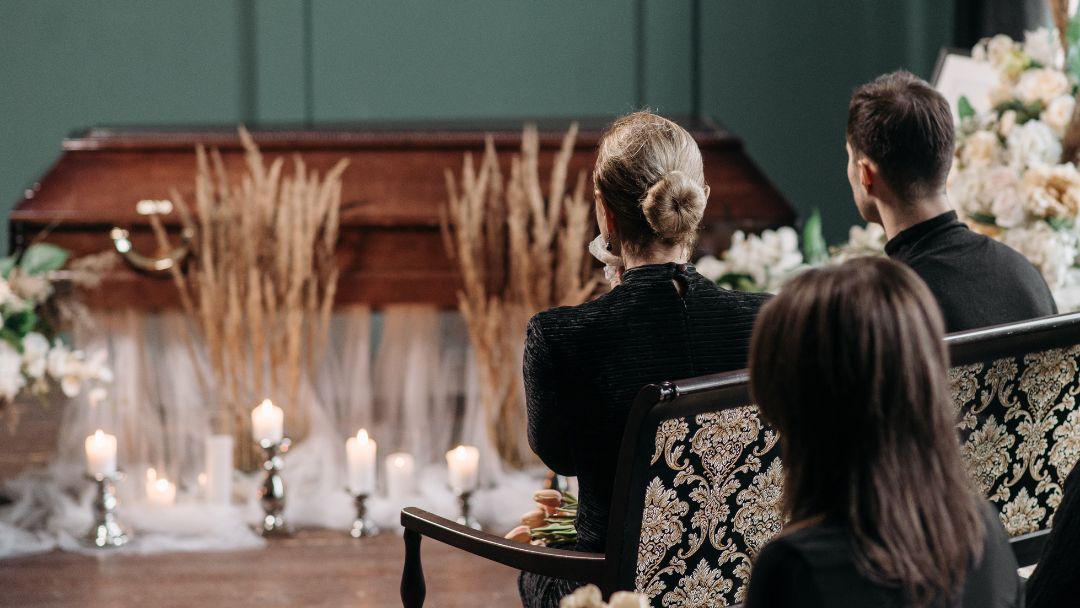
263,278
519,253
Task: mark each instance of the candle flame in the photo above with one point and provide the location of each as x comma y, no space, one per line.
362,436
399,461
460,452
99,436
266,405
161,484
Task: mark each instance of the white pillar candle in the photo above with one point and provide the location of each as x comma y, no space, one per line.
219,469
399,476
360,451
161,492
462,463
267,422
101,453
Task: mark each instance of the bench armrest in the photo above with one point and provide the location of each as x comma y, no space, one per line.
560,563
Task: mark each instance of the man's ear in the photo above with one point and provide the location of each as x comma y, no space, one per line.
868,174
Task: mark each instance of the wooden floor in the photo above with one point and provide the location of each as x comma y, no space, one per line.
312,569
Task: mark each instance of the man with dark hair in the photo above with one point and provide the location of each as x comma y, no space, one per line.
900,148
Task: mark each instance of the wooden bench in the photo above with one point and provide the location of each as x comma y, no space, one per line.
698,490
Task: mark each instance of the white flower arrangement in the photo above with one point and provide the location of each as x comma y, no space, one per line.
1008,180
32,355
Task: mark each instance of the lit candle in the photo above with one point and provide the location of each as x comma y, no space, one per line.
161,492
267,422
462,463
399,476
101,453
361,454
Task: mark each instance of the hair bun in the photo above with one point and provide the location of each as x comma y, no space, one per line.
674,205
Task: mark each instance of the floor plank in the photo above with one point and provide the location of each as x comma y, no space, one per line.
312,569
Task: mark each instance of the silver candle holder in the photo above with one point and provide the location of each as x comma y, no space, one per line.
272,492
362,526
465,516
105,533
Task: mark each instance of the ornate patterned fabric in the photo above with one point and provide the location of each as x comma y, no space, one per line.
1020,429
716,478
712,503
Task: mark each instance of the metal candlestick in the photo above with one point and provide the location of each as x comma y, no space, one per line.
362,526
106,533
466,518
272,493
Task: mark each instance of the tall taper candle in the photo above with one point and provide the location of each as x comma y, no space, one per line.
360,451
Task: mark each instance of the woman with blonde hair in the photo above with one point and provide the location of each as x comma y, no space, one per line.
662,321
848,363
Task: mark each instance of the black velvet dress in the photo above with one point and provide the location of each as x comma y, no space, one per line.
585,364
1056,581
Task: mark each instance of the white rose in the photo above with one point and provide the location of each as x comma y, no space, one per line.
1000,93
58,357
1007,122
583,597
1049,250
628,599
11,378
1033,143
1043,84
1052,191
1058,113
980,149
1043,46
998,49
1008,208
35,354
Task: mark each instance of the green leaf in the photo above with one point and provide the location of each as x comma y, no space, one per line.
21,323
6,264
983,218
964,108
739,282
1060,223
814,249
40,258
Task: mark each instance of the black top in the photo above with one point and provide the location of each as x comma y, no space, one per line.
977,281
585,364
1056,582
814,568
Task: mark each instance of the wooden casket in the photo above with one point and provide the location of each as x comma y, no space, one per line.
390,249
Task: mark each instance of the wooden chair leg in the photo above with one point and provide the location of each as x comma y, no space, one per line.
413,590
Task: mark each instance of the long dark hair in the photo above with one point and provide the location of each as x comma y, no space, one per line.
848,364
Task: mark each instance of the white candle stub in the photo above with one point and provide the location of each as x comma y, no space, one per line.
360,451
160,491
399,476
267,422
462,463
101,453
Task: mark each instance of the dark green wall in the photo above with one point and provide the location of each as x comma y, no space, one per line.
777,73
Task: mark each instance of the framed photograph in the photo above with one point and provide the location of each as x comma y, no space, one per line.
957,75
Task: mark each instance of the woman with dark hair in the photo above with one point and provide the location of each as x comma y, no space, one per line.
584,364
849,365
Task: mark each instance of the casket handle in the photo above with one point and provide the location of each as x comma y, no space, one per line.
121,239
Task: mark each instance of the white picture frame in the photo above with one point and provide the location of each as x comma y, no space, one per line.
958,75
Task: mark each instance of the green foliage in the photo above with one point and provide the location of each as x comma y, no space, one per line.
7,264
814,249
964,108
983,218
41,258
1060,223
1072,35
1024,111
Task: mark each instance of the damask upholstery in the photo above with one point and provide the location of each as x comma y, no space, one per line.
1020,431
712,503
712,498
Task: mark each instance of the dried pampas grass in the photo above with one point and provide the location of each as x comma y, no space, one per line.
261,285
519,253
